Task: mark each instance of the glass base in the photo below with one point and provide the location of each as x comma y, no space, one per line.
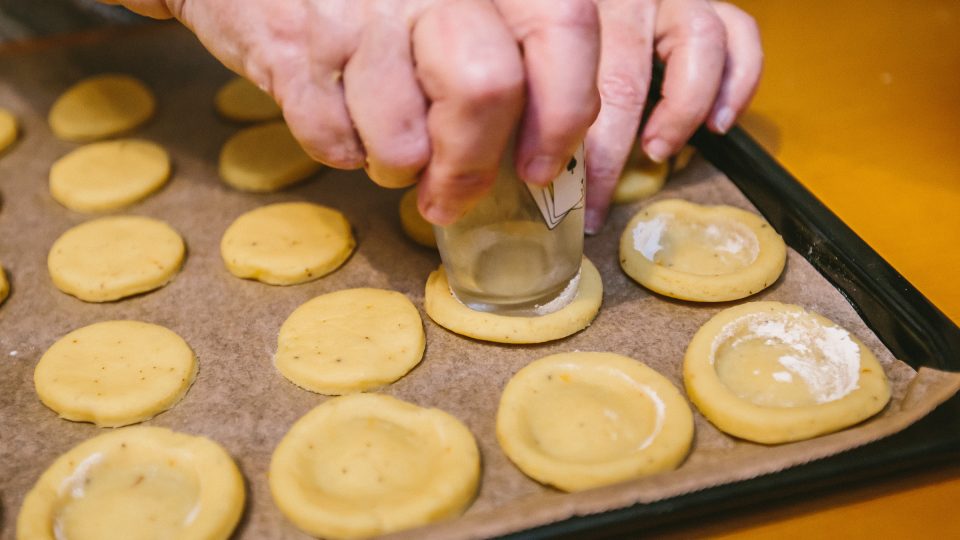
552,301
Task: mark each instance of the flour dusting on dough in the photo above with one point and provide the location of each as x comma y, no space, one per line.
76,481
565,297
647,236
824,357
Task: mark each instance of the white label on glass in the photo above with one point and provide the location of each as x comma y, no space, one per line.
564,194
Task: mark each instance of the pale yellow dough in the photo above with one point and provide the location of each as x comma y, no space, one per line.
101,106
683,158
264,157
350,341
115,373
287,243
4,285
418,229
109,175
9,129
701,253
640,179
136,483
450,313
774,373
368,464
114,257
240,100
586,419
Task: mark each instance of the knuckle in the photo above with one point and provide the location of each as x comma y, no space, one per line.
483,85
623,90
605,174
708,26
572,13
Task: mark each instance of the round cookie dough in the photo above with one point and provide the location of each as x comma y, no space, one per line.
350,341
640,179
586,419
183,486
287,243
109,175
774,373
240,100
701,253
683,158
9,129
114,257
418,229
368,464
4,285
444,308
101,106
115,373
263,158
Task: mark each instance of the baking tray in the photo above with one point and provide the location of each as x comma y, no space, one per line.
907,323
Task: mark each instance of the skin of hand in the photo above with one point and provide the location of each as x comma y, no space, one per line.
713,59
343,71
435,87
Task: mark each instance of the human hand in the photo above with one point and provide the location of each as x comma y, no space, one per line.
433,87
713,60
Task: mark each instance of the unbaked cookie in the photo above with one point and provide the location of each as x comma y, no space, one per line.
109,175
240,100
101,106
444,308
9,129
287,243
4,285
137,483
114,257
773,373
640,179
683,158
350,341
115,373
369,464
701,253
265,157
587,419
418,229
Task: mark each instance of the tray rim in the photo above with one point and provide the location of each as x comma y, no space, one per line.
915,330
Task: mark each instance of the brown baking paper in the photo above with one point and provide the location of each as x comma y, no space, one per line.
242,402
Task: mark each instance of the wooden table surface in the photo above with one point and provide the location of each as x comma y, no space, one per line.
861,101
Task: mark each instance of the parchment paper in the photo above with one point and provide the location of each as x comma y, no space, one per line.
242,402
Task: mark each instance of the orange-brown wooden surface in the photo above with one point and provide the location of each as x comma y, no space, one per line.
861,101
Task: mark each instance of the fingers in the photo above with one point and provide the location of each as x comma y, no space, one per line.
744,63
691,39
308,82
470,69
314,109
386,103
560,53
623,80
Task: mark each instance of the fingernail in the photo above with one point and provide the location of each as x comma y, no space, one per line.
593,220
723,120
657,150
439,214
541,170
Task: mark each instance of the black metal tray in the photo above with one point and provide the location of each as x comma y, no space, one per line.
907,323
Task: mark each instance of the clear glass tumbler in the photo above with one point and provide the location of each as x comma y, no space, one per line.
519,250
